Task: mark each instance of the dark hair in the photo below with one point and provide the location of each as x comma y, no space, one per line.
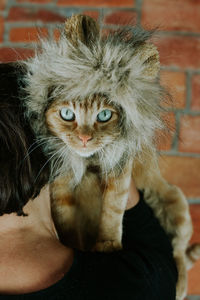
18,169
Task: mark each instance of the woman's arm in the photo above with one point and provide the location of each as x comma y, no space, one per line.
143,270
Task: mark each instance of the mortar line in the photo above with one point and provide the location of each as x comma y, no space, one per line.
178,33
188,91
180,154
138,7
194,201
180,69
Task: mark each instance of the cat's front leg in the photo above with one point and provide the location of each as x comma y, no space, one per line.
76,210
63,209
114,203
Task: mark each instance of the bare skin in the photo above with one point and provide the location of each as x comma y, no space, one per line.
31,256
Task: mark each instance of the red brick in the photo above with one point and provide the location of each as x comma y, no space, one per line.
56,34
193,280
11,54
99,3
1,28
2,4
121,17
195,213
165,137
26,35
175,84
180,15
182,51
35,1
195,104
190,134
33,14
92,13
183,172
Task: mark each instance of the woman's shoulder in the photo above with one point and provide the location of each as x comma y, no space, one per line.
34,265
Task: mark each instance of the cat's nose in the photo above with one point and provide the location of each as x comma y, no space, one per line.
85,138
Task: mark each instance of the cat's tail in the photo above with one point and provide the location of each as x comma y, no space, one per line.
192,255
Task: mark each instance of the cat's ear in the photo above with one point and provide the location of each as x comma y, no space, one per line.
81,28
149,56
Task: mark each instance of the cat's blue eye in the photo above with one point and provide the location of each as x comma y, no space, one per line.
104,115
67,114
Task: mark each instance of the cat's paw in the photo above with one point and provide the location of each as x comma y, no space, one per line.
181,290
181,298
108,246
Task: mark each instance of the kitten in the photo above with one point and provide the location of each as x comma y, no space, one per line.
94,103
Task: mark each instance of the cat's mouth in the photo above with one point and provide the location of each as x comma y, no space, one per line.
85,151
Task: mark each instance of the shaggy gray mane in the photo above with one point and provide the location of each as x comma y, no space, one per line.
124,66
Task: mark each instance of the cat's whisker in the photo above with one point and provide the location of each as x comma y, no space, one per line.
118,165
74,171
55,148
56,164
36,142
29,152
39,142
45,165
112,161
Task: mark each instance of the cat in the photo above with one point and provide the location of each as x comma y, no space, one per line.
96,139
94,104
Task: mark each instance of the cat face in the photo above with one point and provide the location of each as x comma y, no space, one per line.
85,126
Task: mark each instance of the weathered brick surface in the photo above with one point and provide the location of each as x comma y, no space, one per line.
92,13
178,15
99,3
181,51
175,84
121,17
1,28
195,104
26,35
2,4
184,172
193,282
13,54
190,134
33,14
195,213
35,1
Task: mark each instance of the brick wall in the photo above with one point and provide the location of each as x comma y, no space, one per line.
178,41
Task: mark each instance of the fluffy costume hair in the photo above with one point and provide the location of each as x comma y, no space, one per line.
123,66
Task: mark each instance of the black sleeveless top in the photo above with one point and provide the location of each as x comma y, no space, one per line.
143,270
